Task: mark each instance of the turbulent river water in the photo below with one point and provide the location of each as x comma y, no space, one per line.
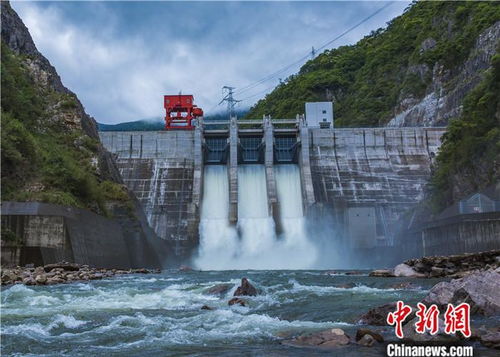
160,315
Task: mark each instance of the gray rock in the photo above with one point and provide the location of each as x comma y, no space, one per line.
367,340
219,289
427,44
480,290
235,301
437,272
245,289
29,281
410,334
364,331
9,276
41,279
331,338
404,270
382,273
61,267
378,315
491,338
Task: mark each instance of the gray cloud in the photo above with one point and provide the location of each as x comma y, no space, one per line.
120,58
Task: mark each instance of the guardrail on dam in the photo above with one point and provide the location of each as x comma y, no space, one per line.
367,175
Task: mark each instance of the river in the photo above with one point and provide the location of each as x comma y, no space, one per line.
160,315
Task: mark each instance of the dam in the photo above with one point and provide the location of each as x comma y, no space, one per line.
233,193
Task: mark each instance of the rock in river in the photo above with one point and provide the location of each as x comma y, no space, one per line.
364,331
481,290
219,289
235,301
382,273
378,315
245,289
404,270
324,339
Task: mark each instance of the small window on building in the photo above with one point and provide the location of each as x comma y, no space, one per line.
324,111
324,119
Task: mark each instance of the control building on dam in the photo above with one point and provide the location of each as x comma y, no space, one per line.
362,179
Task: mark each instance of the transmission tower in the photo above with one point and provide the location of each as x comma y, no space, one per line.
313,53
231,102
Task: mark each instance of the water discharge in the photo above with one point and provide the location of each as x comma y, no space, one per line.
253,244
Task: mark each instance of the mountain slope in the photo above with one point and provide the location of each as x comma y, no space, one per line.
50,146
415,72
437,64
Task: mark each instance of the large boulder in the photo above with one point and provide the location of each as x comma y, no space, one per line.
364,331
410,334
9,277
219,289
480,290
491,338
378,315
404,270
41,279
324,339
245,289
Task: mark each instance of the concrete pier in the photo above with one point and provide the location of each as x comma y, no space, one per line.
305,167
272,195
232,171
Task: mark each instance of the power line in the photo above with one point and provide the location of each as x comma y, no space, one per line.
259,93
313,52
355,26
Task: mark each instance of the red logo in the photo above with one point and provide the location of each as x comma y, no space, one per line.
455,319
427,319
397,317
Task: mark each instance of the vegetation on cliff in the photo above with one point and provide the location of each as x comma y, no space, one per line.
43,159
368,80
469,158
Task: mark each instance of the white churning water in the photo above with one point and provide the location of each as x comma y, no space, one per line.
253,244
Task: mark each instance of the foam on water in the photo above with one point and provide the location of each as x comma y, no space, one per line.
253,244
137,315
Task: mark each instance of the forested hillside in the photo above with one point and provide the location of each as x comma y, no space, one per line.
435,65
50,147
394,69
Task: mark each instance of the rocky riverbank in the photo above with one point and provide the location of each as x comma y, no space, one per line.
480,289
453,266
61,273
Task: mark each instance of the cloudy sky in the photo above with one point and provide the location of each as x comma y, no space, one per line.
121,57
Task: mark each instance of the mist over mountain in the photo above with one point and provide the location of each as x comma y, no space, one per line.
158,123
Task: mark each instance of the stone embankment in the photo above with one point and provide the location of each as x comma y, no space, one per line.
61,273
453,266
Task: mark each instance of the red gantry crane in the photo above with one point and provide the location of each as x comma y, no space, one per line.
180,112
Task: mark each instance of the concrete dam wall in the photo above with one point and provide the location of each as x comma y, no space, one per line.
364,179
44,233
370,177
163,169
